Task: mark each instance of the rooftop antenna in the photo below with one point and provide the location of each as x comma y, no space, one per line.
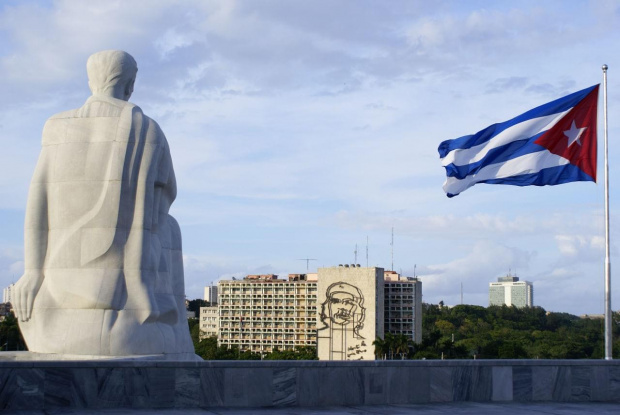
366,251
392,245
307,262
414,267
355,252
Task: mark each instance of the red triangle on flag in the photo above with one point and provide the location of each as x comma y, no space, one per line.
582,152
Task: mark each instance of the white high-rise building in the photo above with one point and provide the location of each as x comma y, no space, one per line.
403,305
211,294
7,293
209,321
261,312
510,291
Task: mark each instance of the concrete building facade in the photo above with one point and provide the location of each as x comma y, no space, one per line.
209,321
403,305
510,291
350,312
262,312
211,294
341,311
6,294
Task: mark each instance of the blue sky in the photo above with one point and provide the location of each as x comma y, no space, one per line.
300,129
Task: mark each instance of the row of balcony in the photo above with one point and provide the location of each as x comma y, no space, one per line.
236,316
267,341
266,329
269,291
264,339
265,305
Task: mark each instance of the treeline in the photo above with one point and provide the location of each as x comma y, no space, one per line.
208,349
467,331
460,332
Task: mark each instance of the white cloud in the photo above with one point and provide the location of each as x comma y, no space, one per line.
202,270
581,247
483,263
173,39
306,126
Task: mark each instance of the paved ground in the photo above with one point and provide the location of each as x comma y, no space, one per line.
452,408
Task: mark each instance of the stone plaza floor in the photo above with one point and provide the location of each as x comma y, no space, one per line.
470,408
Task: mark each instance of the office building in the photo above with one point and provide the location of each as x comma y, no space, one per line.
211,294
6,293
261,312
209,322
349,312
510,291
346,308
403,305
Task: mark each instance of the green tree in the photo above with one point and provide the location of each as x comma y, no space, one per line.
10,335
402,344
299,353
194,305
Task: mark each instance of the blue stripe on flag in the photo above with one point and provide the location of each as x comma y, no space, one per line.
550,176
553,107
497,155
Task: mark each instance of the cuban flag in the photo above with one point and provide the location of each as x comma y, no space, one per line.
548,145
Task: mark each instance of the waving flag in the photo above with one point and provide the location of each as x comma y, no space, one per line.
548,145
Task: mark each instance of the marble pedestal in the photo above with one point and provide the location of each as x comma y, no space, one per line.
146,383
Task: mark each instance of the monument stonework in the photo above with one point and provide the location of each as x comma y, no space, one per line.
349,312
103,260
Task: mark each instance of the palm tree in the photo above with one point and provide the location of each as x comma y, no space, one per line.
401,345
389,344
379,344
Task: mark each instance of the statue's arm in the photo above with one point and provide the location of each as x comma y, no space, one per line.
35,239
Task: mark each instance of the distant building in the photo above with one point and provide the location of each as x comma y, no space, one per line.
340,310
510,291
592,316
261,312
209,321
211,294
6,294
403,305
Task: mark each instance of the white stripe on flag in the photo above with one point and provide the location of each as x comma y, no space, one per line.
527,164
521,131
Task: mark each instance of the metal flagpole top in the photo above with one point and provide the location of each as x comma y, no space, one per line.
605,67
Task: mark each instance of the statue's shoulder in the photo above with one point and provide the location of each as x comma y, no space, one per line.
64,115
154,132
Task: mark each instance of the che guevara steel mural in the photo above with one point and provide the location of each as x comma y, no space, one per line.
342,315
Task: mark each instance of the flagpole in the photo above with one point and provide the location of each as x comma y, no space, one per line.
608,332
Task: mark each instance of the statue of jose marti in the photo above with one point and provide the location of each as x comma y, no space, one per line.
103,259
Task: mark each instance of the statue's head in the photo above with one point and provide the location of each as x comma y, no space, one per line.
112,72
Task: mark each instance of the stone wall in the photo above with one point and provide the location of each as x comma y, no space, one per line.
158,384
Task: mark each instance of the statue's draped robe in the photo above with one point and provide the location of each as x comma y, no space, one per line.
98,207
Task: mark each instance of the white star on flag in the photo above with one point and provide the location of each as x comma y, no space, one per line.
574,133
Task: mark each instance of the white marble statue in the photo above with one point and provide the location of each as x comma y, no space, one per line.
103,261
